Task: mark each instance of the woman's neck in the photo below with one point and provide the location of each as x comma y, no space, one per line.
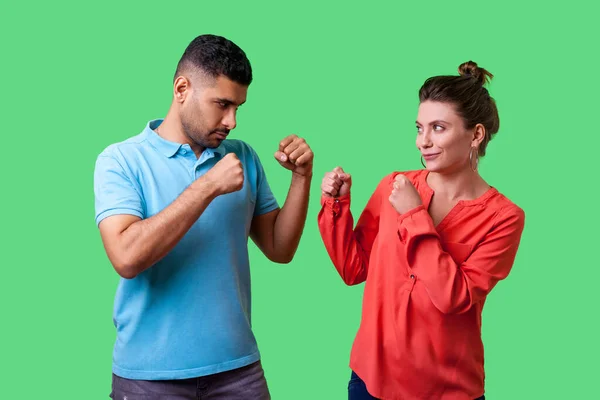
464,184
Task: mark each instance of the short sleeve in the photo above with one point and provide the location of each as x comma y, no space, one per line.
114,190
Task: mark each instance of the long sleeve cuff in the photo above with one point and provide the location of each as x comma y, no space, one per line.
334,205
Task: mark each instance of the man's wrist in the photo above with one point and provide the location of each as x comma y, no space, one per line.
296,177
207,186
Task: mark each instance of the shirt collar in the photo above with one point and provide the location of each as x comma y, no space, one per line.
168,148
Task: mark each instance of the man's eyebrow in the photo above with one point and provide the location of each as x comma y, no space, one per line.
228,101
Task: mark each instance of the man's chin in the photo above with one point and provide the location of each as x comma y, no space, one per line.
213,144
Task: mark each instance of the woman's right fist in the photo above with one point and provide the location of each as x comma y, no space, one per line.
336,183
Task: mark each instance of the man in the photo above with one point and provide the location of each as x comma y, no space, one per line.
175,206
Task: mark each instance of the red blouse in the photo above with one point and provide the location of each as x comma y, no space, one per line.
420,331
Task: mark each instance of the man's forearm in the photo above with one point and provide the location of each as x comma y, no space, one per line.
292,217
145,242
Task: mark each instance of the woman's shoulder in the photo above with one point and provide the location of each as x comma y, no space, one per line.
503,205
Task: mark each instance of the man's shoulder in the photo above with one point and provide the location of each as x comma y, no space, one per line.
242,149
235,145
125,146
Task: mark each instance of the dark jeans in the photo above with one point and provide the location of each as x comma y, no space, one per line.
239,384
358,391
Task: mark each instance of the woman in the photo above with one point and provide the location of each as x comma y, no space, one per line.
430,244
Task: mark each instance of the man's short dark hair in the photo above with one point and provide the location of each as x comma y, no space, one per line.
214,55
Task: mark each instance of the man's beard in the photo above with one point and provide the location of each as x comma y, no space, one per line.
200,137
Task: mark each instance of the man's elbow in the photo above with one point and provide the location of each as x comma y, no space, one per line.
126,273
126,268
281,258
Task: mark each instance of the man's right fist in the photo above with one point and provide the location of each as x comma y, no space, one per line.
336,183
227,175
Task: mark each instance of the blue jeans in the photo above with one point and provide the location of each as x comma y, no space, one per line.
239,384
358,391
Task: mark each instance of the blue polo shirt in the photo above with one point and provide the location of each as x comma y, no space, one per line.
189,314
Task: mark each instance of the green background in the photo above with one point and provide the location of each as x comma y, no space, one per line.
76,77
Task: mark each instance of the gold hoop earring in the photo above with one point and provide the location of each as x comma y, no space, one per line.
474,168
423,162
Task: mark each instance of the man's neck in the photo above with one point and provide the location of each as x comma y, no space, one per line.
171,129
